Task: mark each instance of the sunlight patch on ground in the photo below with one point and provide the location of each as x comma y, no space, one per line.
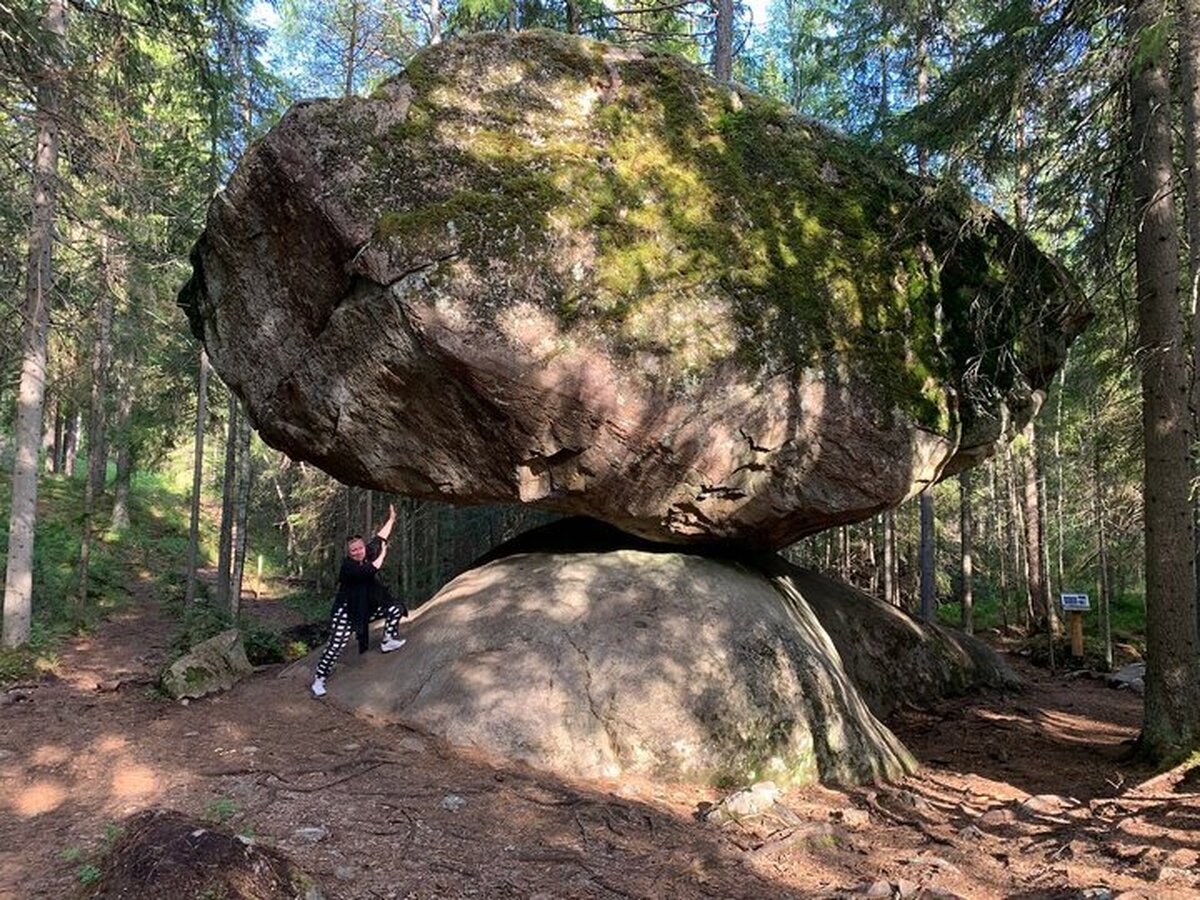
134,781
49,755
40,797
112,743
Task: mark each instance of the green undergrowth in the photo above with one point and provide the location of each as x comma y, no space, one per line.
143,552
1128,630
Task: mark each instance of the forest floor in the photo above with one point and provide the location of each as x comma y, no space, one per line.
1023,795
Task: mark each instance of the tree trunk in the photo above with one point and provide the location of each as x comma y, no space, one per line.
112,270
18,579
50,420
891,589
229,483
241,515
71,448
723,45
126,388
1039,595
968,597
288,527
1172,709
999,539
351,52
572,16
1060,527
60,436
928,588
197,478
1104,600
1013,525
1189,89
435,22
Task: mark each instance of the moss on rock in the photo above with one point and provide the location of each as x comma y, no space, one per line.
702,225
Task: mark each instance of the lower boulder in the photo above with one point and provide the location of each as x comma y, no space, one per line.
630,661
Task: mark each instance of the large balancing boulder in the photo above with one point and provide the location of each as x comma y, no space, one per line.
539,269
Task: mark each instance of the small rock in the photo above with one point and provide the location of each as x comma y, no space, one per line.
344,873
853,818
250,749
453,802
1132,895
1096,893
349,747
311,834
1046,805
908,798
905,889
1127,674
935,892
877,889
971,833
995,817
1171,873
745,804
1182,858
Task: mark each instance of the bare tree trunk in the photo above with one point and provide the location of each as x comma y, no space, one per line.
49,435
1039,595
1104,600
1059,515
71,449
18,579
288,528
572,16
928,588
126,388
435,22
1014,524
1171,720
351,53
229,484
891,590
1000,540
197,478
241,515
723,46
60,435
1189,89
112,269
968,597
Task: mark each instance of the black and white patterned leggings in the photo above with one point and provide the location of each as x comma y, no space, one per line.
340,631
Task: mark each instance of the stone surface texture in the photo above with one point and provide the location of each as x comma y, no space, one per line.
211,666
663,664
539,269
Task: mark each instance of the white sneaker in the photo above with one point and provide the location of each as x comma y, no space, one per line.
318,687
392,644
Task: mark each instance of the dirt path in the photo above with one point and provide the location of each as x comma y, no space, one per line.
395,813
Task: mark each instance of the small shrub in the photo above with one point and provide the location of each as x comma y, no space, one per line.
88,874
221,810
262,644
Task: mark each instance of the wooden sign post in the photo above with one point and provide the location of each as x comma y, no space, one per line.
1076,605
